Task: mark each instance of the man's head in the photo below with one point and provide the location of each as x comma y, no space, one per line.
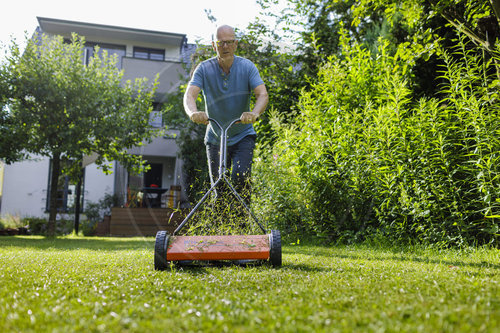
225,43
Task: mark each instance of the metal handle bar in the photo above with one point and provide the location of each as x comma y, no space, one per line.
223,143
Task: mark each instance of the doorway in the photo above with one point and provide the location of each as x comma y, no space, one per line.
153,178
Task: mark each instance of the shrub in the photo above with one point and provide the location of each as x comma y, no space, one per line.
95,212
38,226
364,158
11,221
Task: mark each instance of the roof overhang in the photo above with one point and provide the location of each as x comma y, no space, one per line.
63,27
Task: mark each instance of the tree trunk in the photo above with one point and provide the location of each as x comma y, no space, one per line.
54,179
77,201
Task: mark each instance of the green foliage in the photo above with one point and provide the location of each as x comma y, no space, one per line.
95,212
364,159
478,20
277,67
11,221
10,147
93,216
38,226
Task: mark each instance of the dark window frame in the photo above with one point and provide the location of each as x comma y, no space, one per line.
149,53
65,192
105,46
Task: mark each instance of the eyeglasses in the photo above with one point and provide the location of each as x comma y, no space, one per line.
225,42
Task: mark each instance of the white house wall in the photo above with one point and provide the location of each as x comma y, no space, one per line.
25,188
97,183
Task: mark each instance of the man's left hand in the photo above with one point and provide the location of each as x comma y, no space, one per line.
248,118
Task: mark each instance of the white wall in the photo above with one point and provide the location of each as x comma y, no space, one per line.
97,183
24,192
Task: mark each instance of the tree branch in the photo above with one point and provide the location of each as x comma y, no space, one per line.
495,4
469,33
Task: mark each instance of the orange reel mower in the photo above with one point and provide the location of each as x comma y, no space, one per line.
220,249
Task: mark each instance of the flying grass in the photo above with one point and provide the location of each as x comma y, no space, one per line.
109,284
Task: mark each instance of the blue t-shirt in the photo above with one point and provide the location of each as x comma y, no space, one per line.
227,96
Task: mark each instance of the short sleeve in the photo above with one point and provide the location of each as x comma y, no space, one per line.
254,76
197,79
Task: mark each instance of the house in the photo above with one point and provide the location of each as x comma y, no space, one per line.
141,53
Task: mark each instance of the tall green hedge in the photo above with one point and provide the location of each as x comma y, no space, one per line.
364,158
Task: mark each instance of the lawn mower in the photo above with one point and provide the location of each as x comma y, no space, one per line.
218,249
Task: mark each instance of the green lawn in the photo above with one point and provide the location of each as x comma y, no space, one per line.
109,285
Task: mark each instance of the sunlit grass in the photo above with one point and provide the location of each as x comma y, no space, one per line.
109,284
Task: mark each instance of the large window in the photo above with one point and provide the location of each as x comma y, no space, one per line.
150,54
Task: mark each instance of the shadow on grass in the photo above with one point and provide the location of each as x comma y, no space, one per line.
68,243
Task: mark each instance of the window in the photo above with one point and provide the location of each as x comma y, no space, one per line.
112,49
151,54
155,118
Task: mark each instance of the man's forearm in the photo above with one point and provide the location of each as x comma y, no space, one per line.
190,105
260,104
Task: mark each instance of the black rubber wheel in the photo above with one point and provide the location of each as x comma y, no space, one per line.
161,243
275,248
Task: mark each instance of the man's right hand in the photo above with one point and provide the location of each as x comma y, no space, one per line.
199,117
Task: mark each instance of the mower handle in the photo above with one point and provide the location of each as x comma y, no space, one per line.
231,123
223,143
222,177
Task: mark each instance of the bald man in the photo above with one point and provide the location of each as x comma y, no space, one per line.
227,82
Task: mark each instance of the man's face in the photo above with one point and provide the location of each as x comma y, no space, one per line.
226,44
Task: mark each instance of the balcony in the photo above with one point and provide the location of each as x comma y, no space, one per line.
170,72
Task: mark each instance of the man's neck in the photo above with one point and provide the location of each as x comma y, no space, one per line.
225,64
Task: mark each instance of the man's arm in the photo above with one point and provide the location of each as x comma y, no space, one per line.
261,100
190,106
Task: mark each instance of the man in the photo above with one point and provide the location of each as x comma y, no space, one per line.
227,82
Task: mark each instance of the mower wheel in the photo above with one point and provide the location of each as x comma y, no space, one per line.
275,248
161,243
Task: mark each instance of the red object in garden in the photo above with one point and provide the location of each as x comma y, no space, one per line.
218,247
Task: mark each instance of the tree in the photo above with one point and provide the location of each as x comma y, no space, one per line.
479,20
62,108
10,149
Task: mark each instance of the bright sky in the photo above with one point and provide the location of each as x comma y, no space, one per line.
179,16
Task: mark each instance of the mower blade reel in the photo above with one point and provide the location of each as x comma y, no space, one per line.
238,247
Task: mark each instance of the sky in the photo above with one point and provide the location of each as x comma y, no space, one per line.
178,16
